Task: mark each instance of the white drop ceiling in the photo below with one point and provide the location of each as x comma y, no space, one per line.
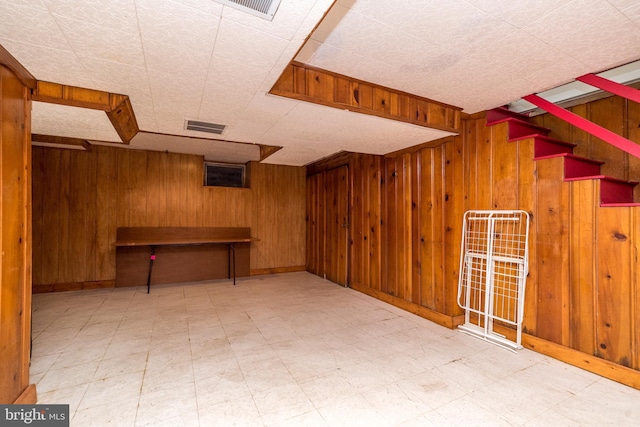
198,59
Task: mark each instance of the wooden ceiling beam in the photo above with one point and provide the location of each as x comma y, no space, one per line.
61,141
122,117
118,107
305,83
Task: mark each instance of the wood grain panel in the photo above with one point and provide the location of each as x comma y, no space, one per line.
527,201
359,230
85,196
614,293
454,208
584,200
552,234
65,208
315,224
374,214
337,223
607,113
392,209
504,175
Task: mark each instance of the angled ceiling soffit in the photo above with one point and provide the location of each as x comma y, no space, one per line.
305,83
117,107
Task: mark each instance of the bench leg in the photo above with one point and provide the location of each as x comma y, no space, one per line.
152,257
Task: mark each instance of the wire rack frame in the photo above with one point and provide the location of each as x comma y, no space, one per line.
493,270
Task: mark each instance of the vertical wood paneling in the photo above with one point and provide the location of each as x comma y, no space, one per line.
48,271
91,214
374,213
137,190
316,224
337,217
86,196
415,270
600,112
504,177
156,189
635,289
105,210
404,226
124,193
64,209
483,161
455,206
37,223
527,201
584,199
357,224
552,236
613,296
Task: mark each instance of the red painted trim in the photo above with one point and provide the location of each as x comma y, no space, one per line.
611,86
587,126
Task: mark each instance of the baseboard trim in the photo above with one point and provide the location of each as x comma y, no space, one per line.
604,368
450,322
276,270
73,286
28,396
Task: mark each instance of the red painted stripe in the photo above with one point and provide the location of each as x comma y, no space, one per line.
587,126
611,86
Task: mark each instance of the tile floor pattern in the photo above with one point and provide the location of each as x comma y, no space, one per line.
293,349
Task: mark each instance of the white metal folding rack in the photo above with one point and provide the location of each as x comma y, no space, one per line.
493,269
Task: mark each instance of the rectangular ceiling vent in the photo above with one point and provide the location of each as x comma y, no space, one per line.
265,9
198,126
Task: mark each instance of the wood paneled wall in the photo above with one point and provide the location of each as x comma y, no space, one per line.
80,199
583,287
15,240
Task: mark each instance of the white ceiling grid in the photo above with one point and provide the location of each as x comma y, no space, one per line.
198,59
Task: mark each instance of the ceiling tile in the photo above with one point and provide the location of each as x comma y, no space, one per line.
105,43
242,44
66,69
62,120
30,25
207,6
118,78
595,42
119,15
517,13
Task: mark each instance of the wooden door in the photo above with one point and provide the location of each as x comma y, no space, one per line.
337,225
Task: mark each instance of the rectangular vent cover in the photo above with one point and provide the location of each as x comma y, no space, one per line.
198,126
265,9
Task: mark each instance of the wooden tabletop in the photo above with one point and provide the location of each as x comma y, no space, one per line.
190,241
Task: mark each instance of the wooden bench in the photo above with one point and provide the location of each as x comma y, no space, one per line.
181,254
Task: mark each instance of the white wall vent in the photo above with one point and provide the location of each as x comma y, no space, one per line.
199,126
265,9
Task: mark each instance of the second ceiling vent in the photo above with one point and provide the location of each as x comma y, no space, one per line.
265,9
198,126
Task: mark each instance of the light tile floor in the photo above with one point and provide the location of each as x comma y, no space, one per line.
293,349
